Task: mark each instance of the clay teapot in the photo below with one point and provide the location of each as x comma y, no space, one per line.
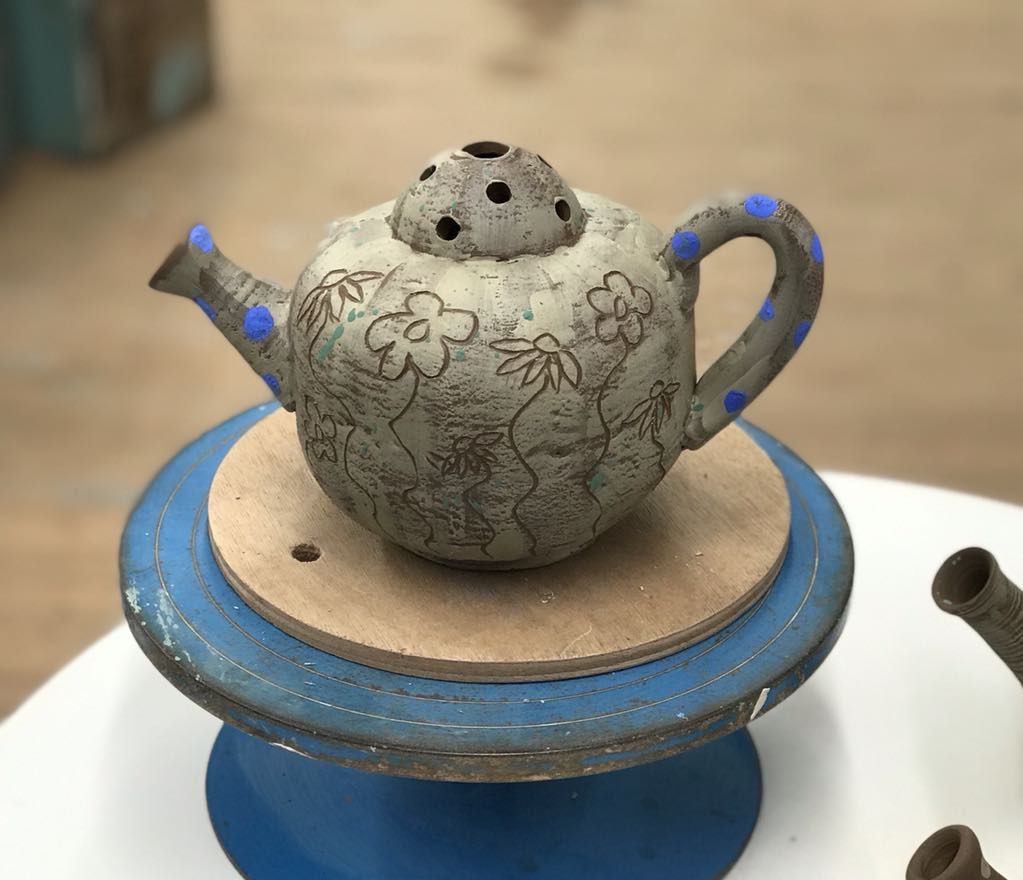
494,368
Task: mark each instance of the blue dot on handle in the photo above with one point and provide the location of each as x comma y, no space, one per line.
200,236
802,328
686,245
766,312
209,311
272,382
258,324
816,250
759,205
735,400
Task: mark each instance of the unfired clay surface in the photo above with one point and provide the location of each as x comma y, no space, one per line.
494,369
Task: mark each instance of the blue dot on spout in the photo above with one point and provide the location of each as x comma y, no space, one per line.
759,205
209,311
735,400
766,312
685,244
272,382
258,324
200,236
816,250
802,328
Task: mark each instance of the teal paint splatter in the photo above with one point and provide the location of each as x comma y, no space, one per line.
460,355
328,346
596,481
528,314
351,315
361,314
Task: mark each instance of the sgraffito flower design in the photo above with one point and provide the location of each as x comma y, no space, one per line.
541,356
650,414
468,455
321,432
328,299
621,307
418,337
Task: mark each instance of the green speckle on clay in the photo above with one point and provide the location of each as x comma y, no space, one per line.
528,314
596,481
460,355
325,349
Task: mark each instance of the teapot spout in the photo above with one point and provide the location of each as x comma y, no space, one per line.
971,585
251,313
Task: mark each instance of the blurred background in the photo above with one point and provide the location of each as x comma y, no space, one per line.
896,127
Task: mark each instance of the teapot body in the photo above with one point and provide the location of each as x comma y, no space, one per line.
491,413
494,368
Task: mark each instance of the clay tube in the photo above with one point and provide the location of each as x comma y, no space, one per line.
970,585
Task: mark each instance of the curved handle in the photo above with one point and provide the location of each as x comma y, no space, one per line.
784,319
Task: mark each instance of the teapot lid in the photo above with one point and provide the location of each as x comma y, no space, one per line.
488,199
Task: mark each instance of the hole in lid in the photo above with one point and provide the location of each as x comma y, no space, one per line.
305,552
498,191
563,209
448,228
486,149
427,172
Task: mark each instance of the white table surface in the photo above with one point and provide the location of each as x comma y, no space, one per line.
912,723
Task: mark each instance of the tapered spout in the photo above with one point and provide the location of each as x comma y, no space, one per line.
251,313
951,853
970,585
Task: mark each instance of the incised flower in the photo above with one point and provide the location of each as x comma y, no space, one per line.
328,299
418,337
651,413
468,455
320,431
621,306
540,356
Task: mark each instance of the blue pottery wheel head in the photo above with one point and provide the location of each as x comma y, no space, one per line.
198,632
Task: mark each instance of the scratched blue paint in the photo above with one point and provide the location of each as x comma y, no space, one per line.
766,312
685,244
210,312
689,816
258,323
273,383
528,314
816,248
799,336
759,205
458,729
735,401
200,236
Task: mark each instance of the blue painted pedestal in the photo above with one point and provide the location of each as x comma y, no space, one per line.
279,813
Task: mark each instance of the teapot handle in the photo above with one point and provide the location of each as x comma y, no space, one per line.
784,319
